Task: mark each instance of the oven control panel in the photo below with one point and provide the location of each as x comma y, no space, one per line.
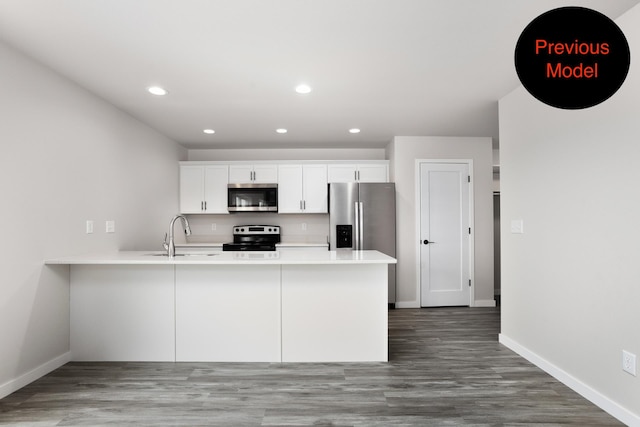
256,229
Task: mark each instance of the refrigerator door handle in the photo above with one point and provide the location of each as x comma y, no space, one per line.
356,239
360,225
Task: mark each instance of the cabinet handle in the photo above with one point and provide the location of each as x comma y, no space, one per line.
201,205
355,175
304,205
300,204
205,205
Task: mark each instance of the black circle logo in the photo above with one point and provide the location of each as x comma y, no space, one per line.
572,58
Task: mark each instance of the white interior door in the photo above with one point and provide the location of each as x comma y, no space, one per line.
444,234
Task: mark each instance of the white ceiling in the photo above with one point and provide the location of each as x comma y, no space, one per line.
388,67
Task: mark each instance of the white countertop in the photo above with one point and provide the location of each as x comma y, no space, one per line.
281,244
301,257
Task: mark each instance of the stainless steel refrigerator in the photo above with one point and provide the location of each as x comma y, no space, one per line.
362,216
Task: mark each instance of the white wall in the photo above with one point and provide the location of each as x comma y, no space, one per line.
570,284
289,154
402,153
66,157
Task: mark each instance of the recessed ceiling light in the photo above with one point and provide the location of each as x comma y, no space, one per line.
209,131
303,89
281,130
157,90
354,130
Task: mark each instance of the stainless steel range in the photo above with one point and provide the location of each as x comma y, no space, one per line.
254,238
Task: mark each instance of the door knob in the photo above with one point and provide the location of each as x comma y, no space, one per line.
426,242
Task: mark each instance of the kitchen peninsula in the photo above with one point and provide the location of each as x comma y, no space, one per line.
282,306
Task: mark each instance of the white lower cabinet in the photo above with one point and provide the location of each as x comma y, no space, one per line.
122,314
228,314
334,314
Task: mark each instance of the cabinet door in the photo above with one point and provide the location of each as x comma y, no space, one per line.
215,189
315,191
265,174
122,312
373,173
240,174
289,189
342,173
227,313
191,189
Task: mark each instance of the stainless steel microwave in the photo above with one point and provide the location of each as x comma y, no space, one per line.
253,197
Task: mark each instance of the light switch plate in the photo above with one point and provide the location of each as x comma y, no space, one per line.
89,226
517,226
110,226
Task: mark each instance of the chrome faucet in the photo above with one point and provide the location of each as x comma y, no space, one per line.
170,246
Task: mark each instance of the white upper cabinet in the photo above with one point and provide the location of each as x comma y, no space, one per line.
240,174
315,190
248,174
302,185
290,189
373,173
203,189
302,188
365,172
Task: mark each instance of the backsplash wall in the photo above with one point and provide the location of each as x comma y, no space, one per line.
292,227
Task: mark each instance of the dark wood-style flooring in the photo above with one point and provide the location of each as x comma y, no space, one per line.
446,368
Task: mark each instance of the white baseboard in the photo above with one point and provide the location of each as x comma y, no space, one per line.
407,304
595,397
42,370
476,303
484,303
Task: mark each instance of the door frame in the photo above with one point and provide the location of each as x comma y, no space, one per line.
418,182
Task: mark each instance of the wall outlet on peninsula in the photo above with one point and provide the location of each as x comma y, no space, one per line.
629,362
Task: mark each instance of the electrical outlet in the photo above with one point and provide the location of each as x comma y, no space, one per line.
89,226
517,226
629,362
110,227
304,226
213,226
